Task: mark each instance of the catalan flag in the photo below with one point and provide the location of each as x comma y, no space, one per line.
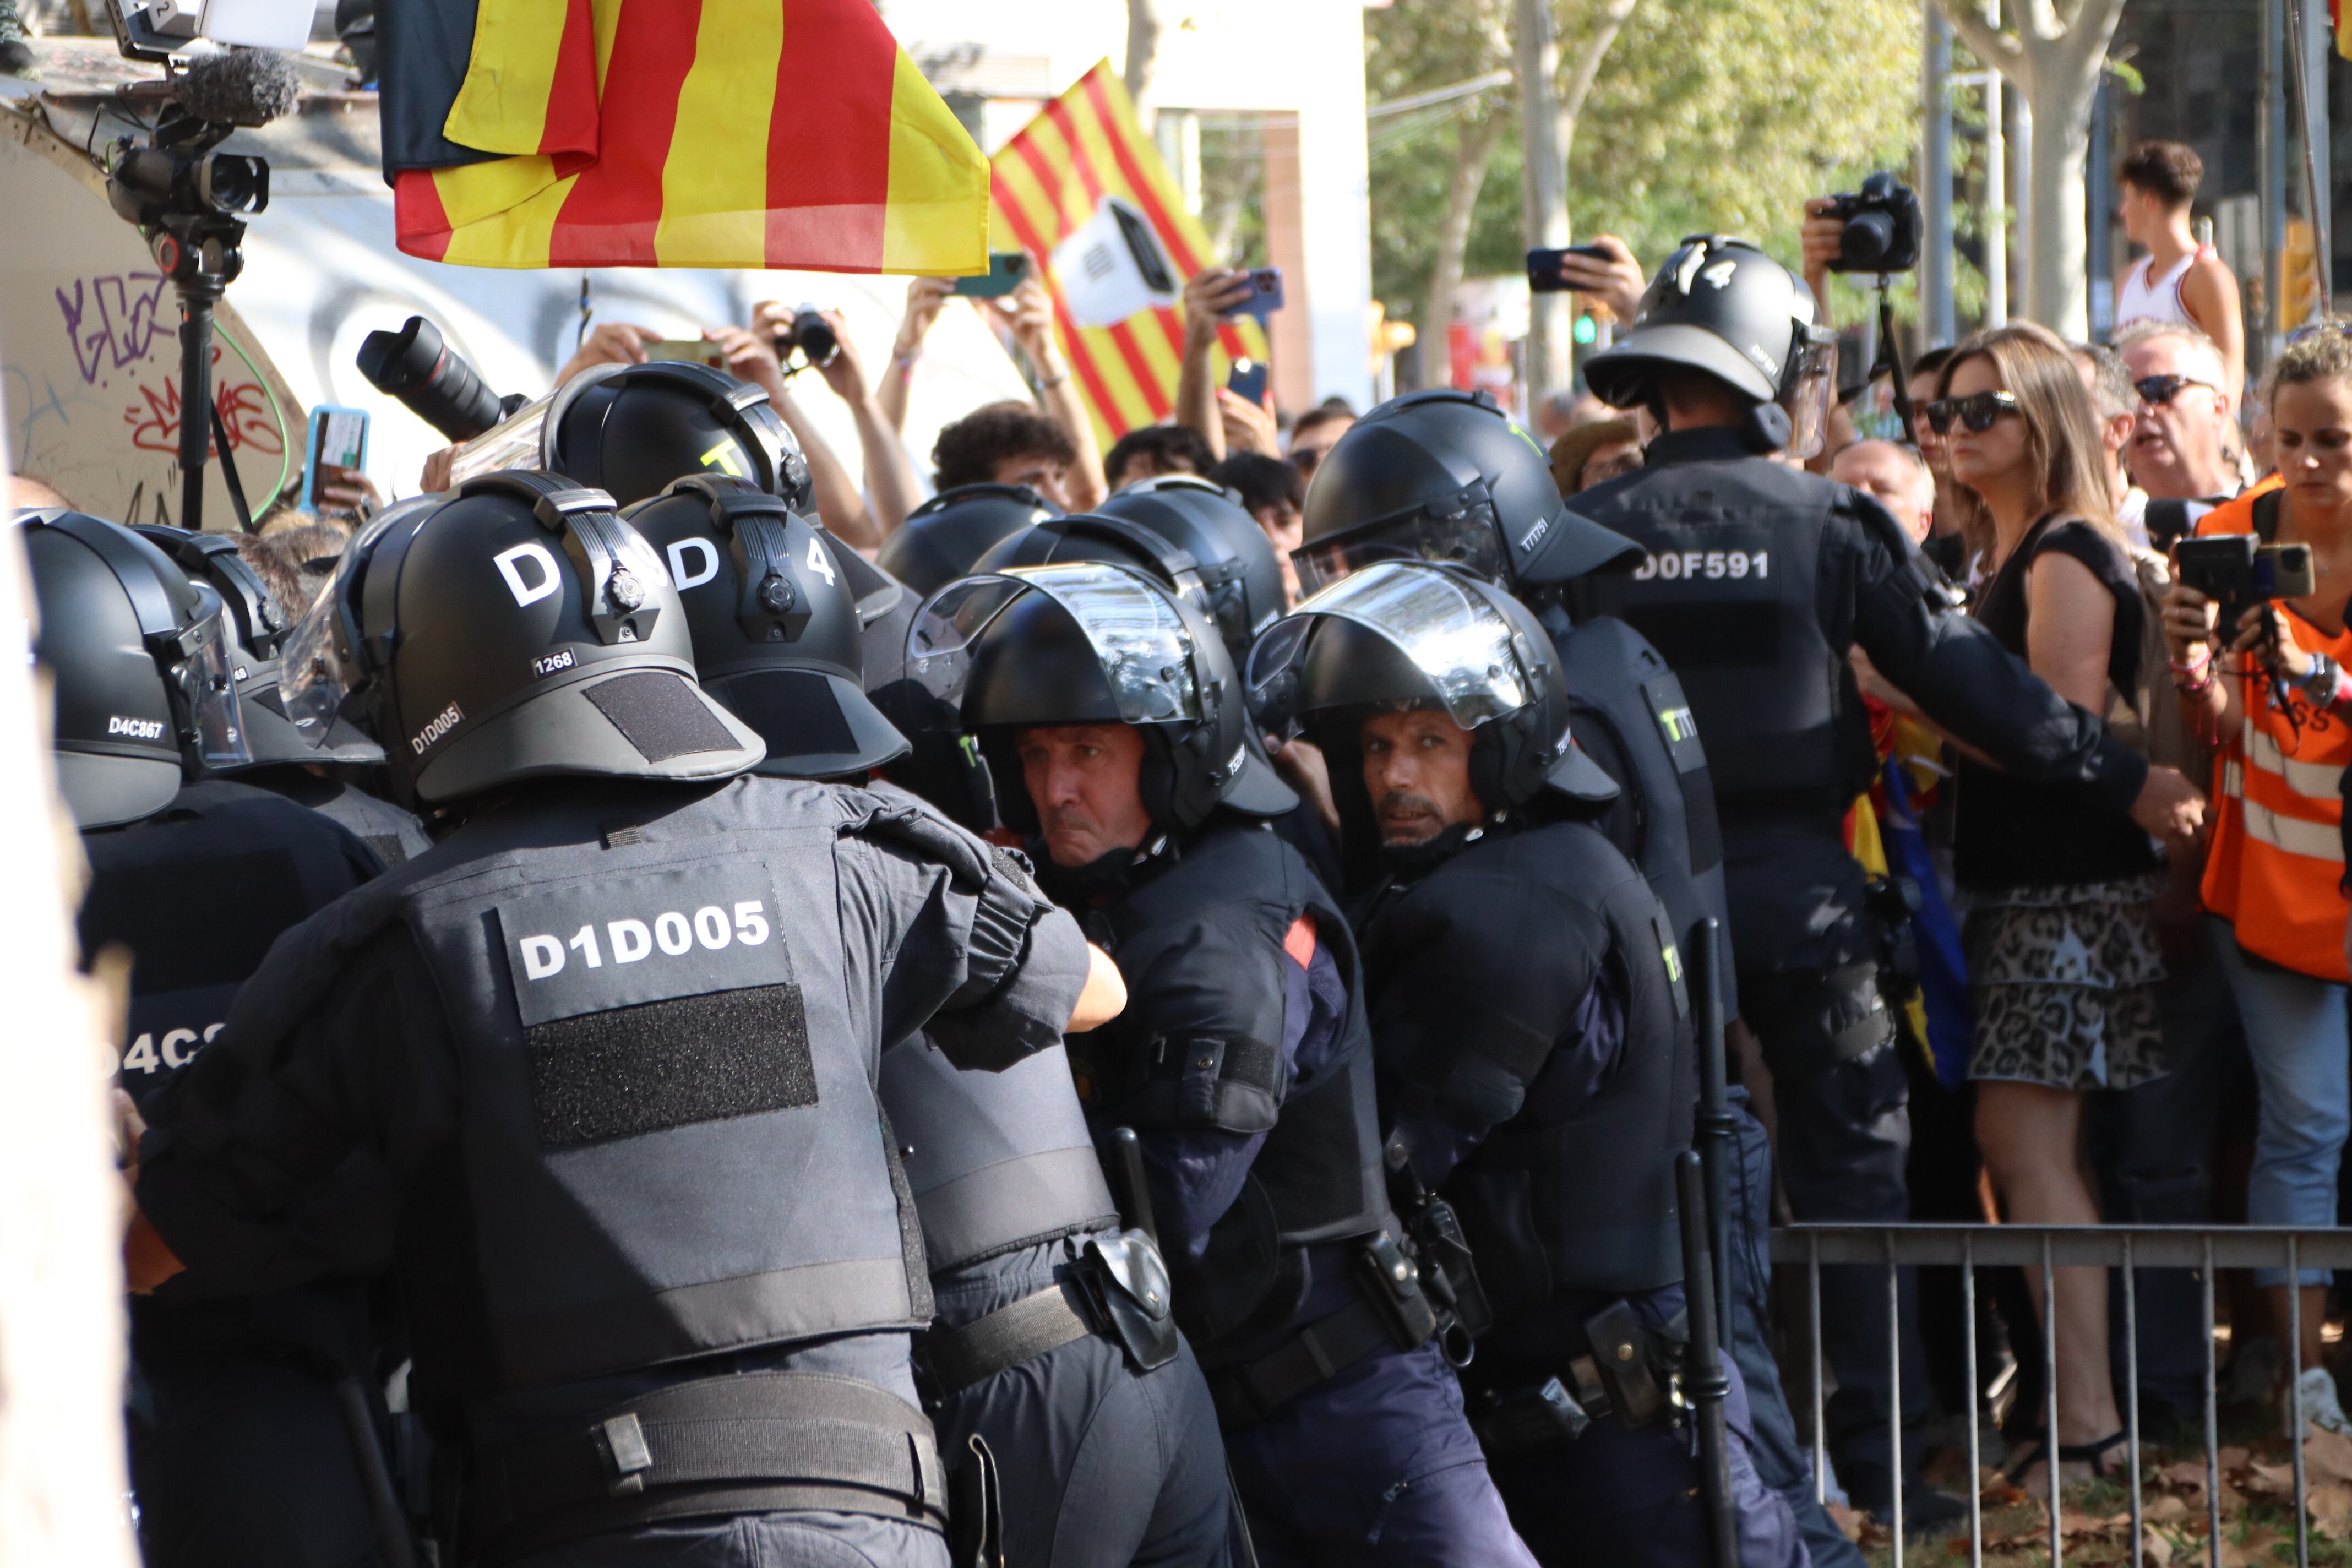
1048,183
747,133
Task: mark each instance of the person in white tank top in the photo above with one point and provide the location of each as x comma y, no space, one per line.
2177,280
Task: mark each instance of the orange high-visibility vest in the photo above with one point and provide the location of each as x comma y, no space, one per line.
2276,866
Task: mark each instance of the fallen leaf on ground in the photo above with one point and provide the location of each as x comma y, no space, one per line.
2327,1454
2157,1547
2331,1508
2190,1473
2165,1511
2232,1459
2270,1481
2254,1553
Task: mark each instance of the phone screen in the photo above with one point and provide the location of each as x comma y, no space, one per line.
338,439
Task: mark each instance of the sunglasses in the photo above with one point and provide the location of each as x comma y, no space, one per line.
1978,411
2155,390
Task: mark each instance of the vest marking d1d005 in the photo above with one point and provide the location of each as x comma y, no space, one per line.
1710,565
622,941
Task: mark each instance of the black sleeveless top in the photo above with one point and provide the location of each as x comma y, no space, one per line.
2013,833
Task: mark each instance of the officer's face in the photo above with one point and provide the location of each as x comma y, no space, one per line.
1082,778
1417,771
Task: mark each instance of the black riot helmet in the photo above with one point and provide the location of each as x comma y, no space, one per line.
1087,643
1399,635
1445,475
630,429
774,622
1238,566
516,629
143,663
258,626
1722,307
946,536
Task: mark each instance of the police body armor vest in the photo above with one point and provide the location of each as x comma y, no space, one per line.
1618,683
1585,1202
1729,595
669,1128
1212,1059
197,892
997,1160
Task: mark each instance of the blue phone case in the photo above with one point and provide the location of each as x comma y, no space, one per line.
320,417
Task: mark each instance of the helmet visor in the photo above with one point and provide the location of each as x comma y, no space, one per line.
512,443
319,664
1809,390
1461,530
206,674
1138,637
1463,650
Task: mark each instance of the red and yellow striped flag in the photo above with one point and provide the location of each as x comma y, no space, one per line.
1047,182
698,133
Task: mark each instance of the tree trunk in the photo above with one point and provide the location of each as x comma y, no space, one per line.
1474,149
2055,66
1142,55
1578,85
1546,366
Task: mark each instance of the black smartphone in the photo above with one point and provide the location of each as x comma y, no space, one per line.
1006,269
1264,295
2239,573
1247,380
1543,265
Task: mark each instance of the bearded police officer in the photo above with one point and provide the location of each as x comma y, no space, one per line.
1757,580
615,1038
1113,722
1052,1341
241,1451
1445,475
284,762
1535,1041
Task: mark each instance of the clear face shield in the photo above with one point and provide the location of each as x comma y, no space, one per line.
1809,389
205,676
514,442
319,663
1462,530
1465,652
1137,637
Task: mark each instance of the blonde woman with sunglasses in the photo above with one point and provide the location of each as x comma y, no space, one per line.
2061,938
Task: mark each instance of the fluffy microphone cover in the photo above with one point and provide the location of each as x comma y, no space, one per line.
239,86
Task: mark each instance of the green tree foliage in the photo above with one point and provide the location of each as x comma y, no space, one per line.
1720,115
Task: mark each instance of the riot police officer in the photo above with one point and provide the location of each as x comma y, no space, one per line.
1113,723
1757,580
284,763
240,1451
943,537
1445,475
1546,1100
1052,1339
616,1036
1195,538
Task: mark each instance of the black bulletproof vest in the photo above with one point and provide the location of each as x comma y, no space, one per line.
1626,707
1729,595
1584,1202
1200,1047
670,1138
997,1160
197,892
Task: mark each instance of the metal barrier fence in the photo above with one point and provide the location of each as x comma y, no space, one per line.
2046,1248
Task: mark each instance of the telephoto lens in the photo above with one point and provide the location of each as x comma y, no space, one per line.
430,380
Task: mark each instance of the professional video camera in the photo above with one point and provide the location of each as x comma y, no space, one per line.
1883,226
188,200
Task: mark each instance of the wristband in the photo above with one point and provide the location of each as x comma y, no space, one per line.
1048,384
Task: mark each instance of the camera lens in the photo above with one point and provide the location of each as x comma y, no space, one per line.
813,337
231,183
430,380
1866,239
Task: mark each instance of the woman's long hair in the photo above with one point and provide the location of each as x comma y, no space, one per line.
2069,466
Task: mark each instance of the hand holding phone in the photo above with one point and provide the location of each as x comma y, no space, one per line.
1006,269
1247,380
691,351
338,439
1265,294
1544,270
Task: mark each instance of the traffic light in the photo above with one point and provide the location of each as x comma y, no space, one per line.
1585,331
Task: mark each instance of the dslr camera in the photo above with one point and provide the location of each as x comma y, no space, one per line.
1882,226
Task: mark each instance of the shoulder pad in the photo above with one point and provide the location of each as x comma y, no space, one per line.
900,818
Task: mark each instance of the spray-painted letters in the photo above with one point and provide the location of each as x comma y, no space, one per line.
112,319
